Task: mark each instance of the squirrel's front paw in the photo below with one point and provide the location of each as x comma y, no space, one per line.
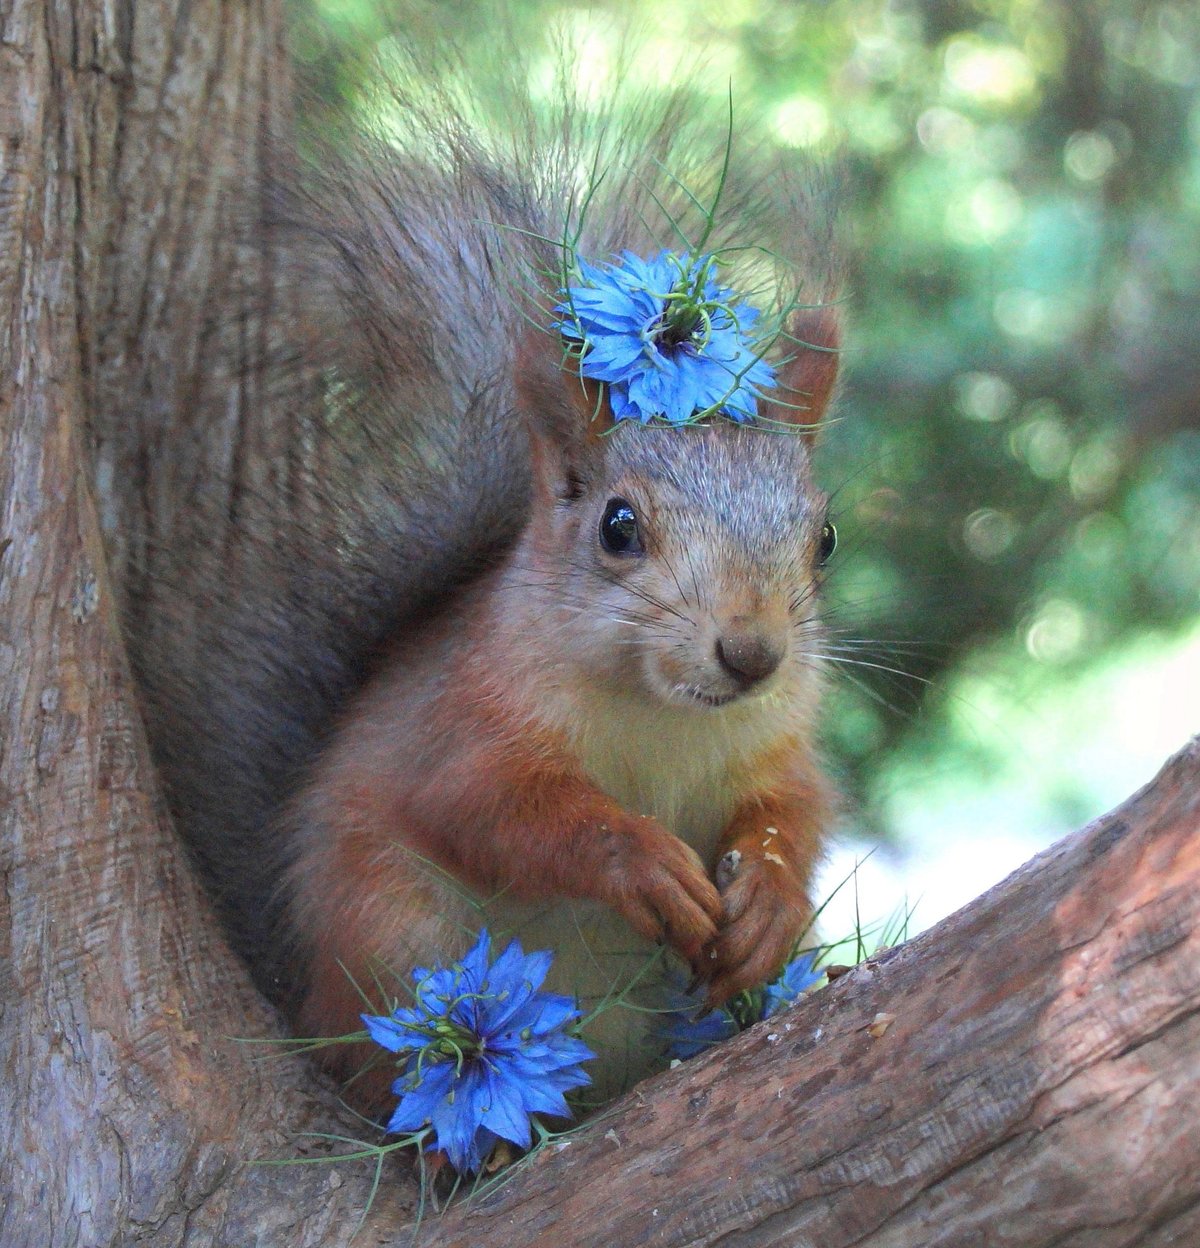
765,912
659,886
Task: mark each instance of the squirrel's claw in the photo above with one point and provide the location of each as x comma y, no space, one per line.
766,912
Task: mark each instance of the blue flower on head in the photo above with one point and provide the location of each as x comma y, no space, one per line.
690,1030
481,1051
667,340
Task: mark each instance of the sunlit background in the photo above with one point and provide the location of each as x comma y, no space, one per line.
1018,464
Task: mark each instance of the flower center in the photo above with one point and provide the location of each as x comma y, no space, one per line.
677,325
688,309
455,1041
448,1038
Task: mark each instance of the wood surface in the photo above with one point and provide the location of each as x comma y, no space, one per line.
129,1111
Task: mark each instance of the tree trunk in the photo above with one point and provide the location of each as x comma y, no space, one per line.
128,1113
1031,1090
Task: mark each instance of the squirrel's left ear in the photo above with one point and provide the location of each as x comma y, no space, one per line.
566,414
808,377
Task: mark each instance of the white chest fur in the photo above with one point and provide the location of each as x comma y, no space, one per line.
683,767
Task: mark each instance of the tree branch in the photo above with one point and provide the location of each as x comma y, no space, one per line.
128,1111
1037,1085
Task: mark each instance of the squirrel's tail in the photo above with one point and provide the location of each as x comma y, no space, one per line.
406,475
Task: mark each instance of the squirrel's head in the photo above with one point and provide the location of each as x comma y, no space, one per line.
681,563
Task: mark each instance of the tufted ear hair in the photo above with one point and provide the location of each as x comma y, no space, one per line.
808,377
566,414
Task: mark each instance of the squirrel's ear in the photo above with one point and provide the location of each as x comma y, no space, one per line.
808,378
566,414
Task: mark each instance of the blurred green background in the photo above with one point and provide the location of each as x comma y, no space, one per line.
1018,464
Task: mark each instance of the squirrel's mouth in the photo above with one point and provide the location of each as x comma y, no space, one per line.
704,697
702,686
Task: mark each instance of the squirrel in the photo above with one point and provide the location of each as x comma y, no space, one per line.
510,657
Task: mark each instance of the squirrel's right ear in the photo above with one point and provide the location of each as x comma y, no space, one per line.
566,414
808,377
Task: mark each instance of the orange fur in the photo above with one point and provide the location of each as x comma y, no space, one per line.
809,378
425,676
777,831
503,810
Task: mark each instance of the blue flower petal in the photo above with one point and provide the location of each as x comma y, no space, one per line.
503,1108
475,963
551,1070
689,1035
613,360
516,977
392,1033
623,408
795,979
689,1031
420,1099
456,1117
546,1013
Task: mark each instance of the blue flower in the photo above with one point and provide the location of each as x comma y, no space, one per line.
481,1051
689,1031
795,979
667,340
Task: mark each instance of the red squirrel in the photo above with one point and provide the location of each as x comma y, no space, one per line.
517,665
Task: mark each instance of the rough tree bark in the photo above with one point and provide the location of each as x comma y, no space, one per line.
1033,1089
127,1111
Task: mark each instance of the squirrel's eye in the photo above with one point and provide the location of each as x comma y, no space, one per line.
619,529
828,543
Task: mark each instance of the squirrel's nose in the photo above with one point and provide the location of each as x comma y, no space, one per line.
749,656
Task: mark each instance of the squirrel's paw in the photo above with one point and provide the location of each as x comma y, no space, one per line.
766,911
659,886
